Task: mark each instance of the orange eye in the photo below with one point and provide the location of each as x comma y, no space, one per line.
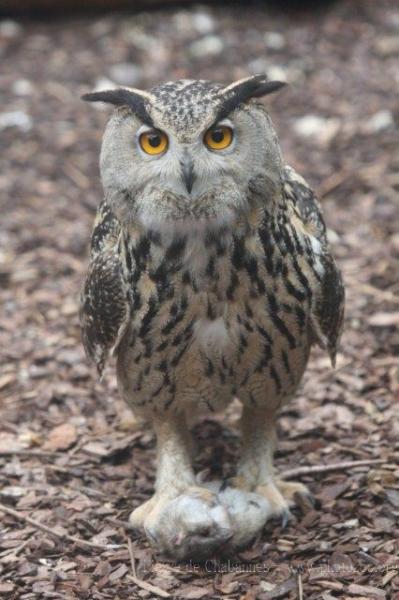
218,137
153,142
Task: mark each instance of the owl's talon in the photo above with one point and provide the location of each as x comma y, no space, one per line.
151,536
138,515
224,485
307,501
296,494
277,501
285,518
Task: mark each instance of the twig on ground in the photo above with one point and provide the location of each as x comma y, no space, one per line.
361,454
88,491
314,469
132,559
28,453
15,551
44,454
140,582
72,471
300,587
59,536
144,585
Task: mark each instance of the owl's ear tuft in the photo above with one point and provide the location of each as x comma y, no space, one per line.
240,91
137,100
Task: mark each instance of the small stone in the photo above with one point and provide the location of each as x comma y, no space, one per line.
15,118
13,491
273,72
383,119
9,28
207,46
22,87
203,22
321,129
387,45
102,83
274,40
125,73
278,73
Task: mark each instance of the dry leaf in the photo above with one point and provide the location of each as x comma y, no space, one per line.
79,503
61,437
367,590
191,592
393,497
384,319
6,588
281,591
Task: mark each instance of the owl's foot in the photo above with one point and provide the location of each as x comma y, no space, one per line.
296,493
138,516
202,523
269,491
283,495
280,507
248,514
192,525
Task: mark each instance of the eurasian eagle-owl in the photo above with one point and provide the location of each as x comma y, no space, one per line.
210,278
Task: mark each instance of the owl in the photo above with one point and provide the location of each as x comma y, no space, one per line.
210,278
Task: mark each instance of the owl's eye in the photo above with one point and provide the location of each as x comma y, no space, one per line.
218,137
153,142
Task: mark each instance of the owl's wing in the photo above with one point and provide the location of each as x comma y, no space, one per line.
104,303
327,310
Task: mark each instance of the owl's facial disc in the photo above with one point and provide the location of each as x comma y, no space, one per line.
189,154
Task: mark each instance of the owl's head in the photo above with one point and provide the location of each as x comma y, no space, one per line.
189,154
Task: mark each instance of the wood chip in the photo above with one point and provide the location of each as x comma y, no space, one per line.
384,319
61,437
153,589
366,590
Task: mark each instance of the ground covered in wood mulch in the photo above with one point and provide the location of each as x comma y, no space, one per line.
73,461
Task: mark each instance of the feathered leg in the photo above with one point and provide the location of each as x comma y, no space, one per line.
181,519
255,470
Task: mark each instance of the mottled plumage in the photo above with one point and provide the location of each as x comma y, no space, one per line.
208,295
274,283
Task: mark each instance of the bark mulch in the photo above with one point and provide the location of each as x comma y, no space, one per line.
73,461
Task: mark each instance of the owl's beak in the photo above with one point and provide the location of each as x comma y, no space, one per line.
187,171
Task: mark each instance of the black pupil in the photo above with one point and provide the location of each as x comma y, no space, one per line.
154,139
217,136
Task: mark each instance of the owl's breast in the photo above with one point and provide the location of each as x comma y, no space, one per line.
221,321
